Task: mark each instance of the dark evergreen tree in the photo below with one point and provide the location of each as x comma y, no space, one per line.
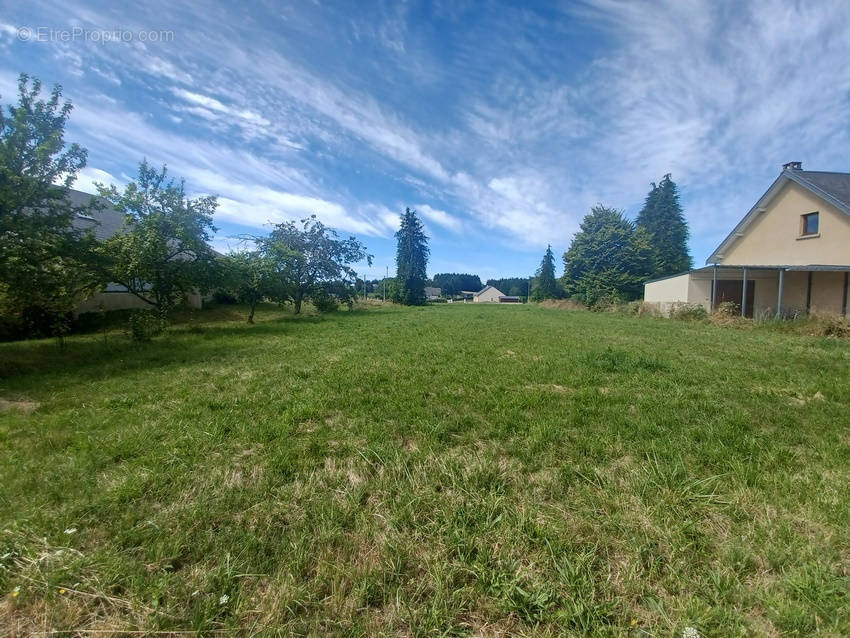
515,286
411,261
545,284
663,219
451,283
608,259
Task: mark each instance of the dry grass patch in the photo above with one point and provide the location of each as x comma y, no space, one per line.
25,407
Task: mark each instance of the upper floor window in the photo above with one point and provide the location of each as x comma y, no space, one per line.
810,224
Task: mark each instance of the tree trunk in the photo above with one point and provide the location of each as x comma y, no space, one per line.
299,296
251,312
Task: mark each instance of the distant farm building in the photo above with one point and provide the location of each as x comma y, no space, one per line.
432,293
488,294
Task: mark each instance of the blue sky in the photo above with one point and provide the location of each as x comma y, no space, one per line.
501,123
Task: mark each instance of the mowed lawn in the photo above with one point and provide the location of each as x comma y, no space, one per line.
447,470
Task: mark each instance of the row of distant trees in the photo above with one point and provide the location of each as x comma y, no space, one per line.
49,263
609,259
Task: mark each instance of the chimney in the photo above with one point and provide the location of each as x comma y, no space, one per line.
792,166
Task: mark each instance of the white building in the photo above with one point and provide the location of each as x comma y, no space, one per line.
488,294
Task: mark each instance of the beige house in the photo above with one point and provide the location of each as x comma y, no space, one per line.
789,255
488,294
105,223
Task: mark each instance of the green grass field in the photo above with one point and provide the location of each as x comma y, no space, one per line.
448,470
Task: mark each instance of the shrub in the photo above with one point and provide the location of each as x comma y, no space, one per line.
324,303
727,309
33,322
689,312
728,313
224,297
828,325
642,309
143,325
562,304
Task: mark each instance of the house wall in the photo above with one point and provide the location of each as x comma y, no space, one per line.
695,288
827,291
766,284
489,295
672,289
665,294
699,291
773,238
103,301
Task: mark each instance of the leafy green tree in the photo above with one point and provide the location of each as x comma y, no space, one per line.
545,284
161,255
452,283
608,259
312,260
411,260
663,219
44,261
252,276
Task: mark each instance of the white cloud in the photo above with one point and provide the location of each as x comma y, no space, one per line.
163,68
439,217
89,175
502,129
207,107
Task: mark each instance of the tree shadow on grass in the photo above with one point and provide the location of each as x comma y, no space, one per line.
93,356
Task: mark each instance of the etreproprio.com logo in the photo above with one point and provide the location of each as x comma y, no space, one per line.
80,34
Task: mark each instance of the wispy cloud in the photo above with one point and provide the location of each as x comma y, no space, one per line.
510,121
439,217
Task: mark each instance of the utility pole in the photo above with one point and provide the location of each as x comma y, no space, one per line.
385,284
528,296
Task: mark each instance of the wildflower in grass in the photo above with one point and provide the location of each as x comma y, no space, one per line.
71,530
15,592
223,600
634,622
690,632
61,590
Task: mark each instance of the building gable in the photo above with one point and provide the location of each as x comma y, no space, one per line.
773,232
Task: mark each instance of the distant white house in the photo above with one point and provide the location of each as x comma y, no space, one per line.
488,294
432,293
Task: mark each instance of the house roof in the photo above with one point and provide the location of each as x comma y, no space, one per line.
103,218
831,187
486,288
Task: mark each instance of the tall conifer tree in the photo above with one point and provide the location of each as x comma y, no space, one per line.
411,260
663,219
608,260
545,284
